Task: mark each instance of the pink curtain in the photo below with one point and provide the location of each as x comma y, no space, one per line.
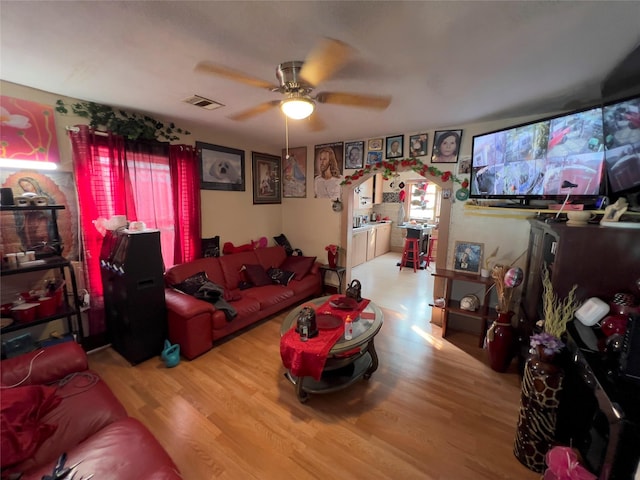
147,181
185,176
150,179
98,163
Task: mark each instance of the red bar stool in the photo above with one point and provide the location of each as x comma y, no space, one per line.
411,253
430,251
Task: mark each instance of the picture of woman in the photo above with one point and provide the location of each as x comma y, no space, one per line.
446,146
327,181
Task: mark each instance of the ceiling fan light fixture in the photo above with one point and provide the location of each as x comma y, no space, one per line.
297,108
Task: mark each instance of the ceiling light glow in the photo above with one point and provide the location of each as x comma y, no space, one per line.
297,108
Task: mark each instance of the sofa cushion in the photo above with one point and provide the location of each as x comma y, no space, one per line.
280,277
210,265
125,450
298,265
77,393
21,417
256,275
231,266
269,295
192,284
211,247
271,257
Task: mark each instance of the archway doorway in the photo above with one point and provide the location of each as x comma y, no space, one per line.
346,234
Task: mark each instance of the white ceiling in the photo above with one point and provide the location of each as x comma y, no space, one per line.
445,64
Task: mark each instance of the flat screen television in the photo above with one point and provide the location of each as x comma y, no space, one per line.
532,161
622,142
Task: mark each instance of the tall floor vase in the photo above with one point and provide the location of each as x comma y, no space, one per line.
500,342
539,400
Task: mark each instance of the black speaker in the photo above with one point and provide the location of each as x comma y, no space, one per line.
630,356
6,196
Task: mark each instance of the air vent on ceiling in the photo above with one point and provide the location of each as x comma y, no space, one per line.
202,102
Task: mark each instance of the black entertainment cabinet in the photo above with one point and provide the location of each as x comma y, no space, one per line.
599,412
601,260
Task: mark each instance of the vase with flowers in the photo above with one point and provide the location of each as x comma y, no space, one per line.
543,378
332,255
500,336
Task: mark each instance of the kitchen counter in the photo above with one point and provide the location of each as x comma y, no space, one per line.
369,225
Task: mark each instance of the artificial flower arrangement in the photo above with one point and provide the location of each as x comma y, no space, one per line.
557,314
505,280
333,249
389,167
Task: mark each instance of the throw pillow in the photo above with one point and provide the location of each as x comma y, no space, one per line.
192,284
298,265
280,277
257,276
22,431
211,247
284,242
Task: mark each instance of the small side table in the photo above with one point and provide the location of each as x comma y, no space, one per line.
339,271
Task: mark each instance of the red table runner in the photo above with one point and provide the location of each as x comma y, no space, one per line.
307,359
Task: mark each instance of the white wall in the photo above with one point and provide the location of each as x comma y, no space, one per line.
309,223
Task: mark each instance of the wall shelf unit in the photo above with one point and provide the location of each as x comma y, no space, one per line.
67,309
483,313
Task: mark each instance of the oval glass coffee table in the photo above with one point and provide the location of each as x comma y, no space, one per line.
348,360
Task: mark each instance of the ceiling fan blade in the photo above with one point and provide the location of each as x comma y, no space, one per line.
354,99
315,123
257,110
324,60
208,67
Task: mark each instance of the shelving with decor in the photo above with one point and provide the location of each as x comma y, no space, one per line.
44,262
600,260
451,305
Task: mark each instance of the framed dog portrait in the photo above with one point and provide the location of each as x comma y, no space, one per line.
446,146
468,257
266,178
354,155
221,168
294,172
395,146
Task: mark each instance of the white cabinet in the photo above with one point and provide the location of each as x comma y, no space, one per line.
383,239
359,248
371,243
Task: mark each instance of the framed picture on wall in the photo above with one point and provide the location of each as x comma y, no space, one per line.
374,157
221,168
468,257
354,155
294,173
374,144
395,146
418,145
266,178
446,146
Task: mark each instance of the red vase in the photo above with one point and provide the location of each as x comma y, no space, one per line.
333,259
500,338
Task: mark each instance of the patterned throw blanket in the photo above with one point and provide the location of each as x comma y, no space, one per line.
214,294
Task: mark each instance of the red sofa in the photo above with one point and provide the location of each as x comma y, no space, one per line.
195,324
60,406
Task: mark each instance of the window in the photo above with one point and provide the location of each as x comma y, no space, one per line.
423,201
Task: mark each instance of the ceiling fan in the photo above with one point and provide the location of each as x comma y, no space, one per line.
297,80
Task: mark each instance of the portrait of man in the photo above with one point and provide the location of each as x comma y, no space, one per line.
328,171
395,146
354,157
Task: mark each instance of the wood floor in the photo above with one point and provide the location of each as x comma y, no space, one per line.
433,409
